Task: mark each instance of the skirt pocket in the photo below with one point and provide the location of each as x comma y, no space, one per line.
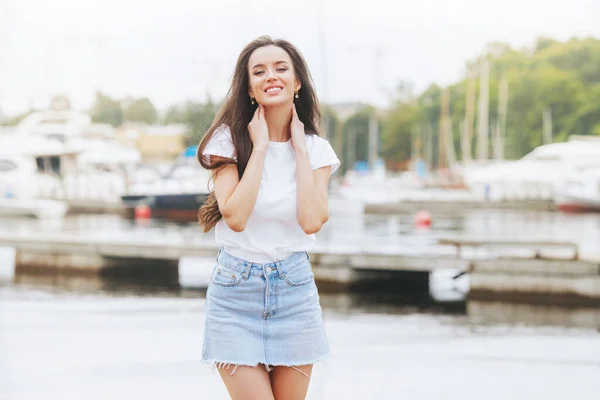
222,276
300,275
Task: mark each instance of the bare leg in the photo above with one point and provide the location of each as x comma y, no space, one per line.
290,383
247,383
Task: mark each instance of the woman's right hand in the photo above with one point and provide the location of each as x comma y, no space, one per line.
259,132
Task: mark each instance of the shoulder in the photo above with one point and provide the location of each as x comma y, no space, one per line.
220,143
321,153
315,142
222,131
220,135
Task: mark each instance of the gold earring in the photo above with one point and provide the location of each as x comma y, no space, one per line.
297,94
252,100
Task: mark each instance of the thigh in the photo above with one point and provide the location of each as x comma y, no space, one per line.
290,383
247,383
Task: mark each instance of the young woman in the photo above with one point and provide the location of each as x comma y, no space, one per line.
270,172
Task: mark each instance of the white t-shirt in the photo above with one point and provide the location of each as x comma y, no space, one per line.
272,231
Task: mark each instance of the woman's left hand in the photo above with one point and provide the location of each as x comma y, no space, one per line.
297,130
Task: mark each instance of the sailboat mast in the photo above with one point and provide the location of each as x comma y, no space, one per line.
373,138
443,139
547,122
482,121
501,123
467,129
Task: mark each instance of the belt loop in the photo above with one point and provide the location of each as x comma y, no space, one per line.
307,256
279,269
246,273
219,253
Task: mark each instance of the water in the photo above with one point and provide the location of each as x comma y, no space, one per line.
373,232
60,344
65,338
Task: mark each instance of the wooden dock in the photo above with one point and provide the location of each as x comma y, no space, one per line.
76,255
78,206
439,206
539,275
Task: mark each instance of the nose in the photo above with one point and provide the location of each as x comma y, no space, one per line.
271,75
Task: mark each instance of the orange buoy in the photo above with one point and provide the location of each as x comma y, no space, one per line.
423,219
143,211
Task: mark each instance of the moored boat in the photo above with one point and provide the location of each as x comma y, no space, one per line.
176,195
580,190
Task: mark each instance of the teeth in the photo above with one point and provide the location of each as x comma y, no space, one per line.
271,90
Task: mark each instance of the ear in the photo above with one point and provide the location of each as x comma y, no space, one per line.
297,86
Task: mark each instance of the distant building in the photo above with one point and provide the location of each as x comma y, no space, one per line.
156,143
100,131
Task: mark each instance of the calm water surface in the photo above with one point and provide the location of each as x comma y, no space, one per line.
90,339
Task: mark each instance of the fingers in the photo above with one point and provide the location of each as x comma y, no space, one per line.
295,114
259,112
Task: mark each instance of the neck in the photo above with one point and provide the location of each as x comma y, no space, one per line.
278,120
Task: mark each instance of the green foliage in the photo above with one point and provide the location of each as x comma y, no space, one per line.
106,110
139,110
332,129
563,77
355,136
16,119
198,115
399,129
354,131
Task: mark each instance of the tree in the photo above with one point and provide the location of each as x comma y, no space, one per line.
560,76
198,115
355,137
106,110
16,119
139,110
400,126
332,129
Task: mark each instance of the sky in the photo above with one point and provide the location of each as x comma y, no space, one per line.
172,51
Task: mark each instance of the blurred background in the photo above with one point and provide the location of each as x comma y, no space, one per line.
462,255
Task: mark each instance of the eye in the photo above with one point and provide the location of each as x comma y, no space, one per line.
258,72
282,69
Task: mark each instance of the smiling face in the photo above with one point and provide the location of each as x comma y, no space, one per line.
272,79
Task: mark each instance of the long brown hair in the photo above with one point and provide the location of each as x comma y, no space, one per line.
237,112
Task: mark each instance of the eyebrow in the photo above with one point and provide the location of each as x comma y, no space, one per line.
277,62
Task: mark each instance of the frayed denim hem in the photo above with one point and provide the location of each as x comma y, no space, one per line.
268,367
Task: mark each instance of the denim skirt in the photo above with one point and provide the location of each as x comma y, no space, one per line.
263,313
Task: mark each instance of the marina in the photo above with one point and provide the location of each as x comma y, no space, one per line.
561,278
460,258
492,254
60,334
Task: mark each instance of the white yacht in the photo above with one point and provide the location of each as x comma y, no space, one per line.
89,162
580,190
29,176
539,175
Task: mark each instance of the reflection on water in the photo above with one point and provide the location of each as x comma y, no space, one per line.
400,295
516,314
395,232
468,313
98,339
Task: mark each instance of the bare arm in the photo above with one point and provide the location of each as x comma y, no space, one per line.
313,208
236,198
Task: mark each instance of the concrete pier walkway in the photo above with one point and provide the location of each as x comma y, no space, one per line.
539,275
